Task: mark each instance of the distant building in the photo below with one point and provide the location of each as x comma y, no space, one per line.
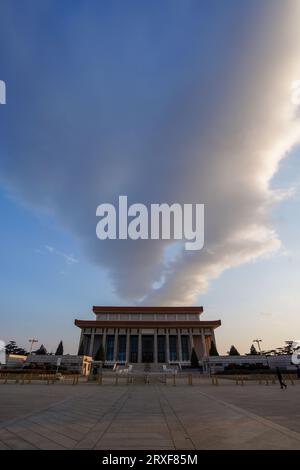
284,362
15,360
147,334
72,363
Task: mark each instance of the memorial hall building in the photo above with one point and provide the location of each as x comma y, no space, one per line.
147,334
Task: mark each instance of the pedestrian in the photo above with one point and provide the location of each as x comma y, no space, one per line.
280,379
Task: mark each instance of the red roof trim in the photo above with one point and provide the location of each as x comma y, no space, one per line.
141,323
103,309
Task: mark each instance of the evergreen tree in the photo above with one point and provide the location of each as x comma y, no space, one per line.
213,350
100,354
233,351
253,351
194,359
21,352
60,349
42,351
287,349
12,348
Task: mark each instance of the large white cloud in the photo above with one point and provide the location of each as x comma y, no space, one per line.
197,109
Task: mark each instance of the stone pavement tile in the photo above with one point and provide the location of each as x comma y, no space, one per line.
91,439
123,428
150,417
19,444
58,427
138,441
5,434
133,447
76,424
222,426
18,401
280,406
130,434
138,418
57,418
68,418
180,436
13,441
4,446
140,424
95,434
231,438
134,440
182,442
33,438
272,440
77,415
54,436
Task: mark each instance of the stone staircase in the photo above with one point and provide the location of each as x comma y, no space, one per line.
147,367
156,367
138,368
141,371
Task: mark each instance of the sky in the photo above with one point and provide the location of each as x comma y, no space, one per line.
163,101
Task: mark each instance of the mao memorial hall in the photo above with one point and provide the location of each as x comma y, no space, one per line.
147,334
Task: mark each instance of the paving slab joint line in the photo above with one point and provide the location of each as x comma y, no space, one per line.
54,427
16,437
24,438
115,412
185,433
260,419
45,429
114,409
4,424
27,417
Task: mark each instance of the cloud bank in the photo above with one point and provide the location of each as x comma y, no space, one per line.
187,103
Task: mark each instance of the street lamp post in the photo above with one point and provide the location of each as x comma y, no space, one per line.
258,341
32,341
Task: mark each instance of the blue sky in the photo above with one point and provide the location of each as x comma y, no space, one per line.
170,103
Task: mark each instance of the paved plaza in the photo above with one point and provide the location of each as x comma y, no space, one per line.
155,416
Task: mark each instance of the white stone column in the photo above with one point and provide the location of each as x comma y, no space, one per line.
116,345
203,343
104,342
167,346
127,345
155,347
179,345
140,347
81,339
91,348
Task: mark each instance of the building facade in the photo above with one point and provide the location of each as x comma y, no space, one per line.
147,334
